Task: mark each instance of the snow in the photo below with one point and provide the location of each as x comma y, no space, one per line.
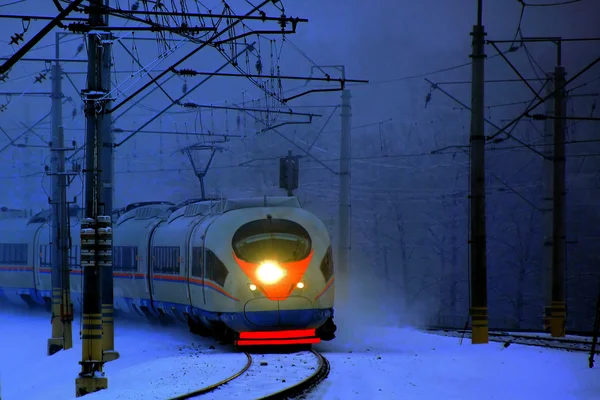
158,362
279,372
409,364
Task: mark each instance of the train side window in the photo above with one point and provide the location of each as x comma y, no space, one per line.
116,258
174,258
197,261
45,261
24,248
125,258
155,260
216,271
327,265
13,253
12,256
133,258
165,259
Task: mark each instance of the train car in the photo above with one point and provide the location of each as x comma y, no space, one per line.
131,237
276,264
25,258
253,271
16,259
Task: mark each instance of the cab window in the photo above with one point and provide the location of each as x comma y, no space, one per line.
271,239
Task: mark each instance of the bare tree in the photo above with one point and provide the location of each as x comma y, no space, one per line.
522,262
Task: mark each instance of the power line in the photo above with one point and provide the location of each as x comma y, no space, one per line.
337,159
562,3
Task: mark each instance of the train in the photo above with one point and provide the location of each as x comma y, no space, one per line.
248,271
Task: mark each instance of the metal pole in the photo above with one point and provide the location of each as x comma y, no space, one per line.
547,205
91,378
479,311
345,212
595,331
64,228
558,307
55,343
108,337
290,173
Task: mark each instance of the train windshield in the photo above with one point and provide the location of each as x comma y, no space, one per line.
271,239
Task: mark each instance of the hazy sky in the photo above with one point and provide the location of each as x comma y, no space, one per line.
383,42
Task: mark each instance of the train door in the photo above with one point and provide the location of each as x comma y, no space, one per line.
148,272
193,265
40,236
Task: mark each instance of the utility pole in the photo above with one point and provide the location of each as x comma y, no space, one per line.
108,336
595,332
62,309
478,256
547,203
558,305
94,247
345,212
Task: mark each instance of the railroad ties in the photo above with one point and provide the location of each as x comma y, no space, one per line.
251,380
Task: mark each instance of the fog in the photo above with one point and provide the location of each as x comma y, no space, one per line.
409,206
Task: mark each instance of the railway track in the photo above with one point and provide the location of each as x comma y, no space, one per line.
253,381
581,344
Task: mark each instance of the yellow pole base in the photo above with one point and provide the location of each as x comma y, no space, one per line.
479,322
110,355
557,327
86,385
55,345
68,335
479,335
558,319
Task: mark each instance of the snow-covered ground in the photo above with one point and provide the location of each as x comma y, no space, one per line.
156,362
366,363
408,364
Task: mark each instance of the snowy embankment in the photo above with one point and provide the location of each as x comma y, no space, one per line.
366,363
386,363
155,363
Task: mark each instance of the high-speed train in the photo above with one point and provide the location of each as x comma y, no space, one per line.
248,271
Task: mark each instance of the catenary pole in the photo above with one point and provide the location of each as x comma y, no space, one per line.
345,211
62,308
108,336
92,378
558,306
547,204
478,256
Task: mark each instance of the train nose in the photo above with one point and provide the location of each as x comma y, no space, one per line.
292,312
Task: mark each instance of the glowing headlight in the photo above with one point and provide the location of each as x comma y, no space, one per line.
269,272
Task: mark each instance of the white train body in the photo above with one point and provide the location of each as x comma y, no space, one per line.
251,271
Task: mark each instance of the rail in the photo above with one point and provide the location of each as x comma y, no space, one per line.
304,386
298,389
528,339
213,387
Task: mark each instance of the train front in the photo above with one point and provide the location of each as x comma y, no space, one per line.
281,272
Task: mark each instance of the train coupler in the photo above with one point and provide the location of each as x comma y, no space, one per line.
327,331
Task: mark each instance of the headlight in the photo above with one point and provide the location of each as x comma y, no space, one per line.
269,273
